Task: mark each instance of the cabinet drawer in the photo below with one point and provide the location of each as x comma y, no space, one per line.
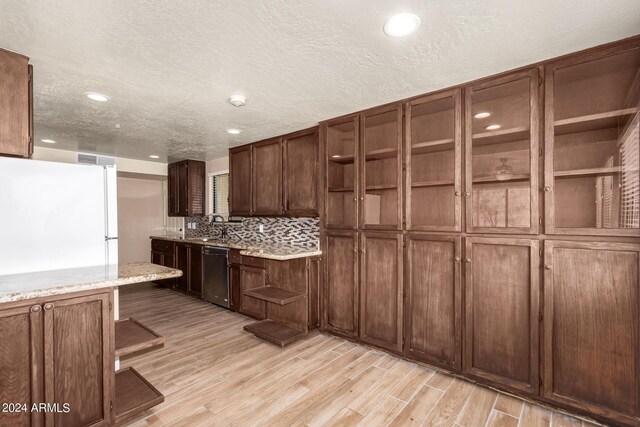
162,245
235,257
253,261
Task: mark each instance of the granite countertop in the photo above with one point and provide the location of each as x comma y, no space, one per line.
258,250
17,287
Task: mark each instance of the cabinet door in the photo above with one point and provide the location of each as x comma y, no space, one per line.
15,105
300,168
341,284
195,271
501,143
502,312
183,188
240,182
156,258
591,343
173,201
267,177
182,263
252,277
433,307
234,287
381,168
79,362
21,363
434,165
592,139
341,172
381,289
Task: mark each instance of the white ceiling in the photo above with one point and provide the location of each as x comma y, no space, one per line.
169,66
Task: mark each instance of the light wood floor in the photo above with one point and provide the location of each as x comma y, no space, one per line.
213,373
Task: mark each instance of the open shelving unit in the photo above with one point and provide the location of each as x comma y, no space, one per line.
133,337
274,295
274,332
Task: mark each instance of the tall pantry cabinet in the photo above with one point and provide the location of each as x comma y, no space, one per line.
493,230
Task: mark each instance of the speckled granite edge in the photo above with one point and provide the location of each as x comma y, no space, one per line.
279,253
19,287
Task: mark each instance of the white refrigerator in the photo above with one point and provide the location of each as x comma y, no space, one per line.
56,215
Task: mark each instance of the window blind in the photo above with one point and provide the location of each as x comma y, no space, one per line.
629,180
218,199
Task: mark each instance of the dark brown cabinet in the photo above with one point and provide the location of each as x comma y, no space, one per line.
266,172
163,253
381,289
592,143
502,312
591,323
234,287
501,143
300,161
240,180
182,263
433,305
16,105
63,353
341,295
186,181
189,260
250,278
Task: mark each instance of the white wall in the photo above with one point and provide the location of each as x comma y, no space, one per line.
217,165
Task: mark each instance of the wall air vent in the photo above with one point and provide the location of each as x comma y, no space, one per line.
92,159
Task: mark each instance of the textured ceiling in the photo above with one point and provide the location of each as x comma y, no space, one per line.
169,66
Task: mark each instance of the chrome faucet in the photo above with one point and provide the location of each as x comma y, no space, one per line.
223,230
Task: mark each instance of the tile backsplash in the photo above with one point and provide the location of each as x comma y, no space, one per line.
298,232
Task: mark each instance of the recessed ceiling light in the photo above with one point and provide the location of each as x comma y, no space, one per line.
237,100
233,131
493,127
97,96
153,156
48,141
482,115
401,25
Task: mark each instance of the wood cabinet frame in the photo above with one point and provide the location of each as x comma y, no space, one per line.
549,132
456,364
532,386
286,179
534,133
362,174
457,96
355,119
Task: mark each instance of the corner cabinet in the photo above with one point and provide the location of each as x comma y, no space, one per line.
591,323
16,105
186,188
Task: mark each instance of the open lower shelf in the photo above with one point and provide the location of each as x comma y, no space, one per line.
593,172
274,294
274,332
589,122
134,394
132,337
493,179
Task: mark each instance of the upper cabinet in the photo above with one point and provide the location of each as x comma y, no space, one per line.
433,158
299,160
501,150
276,177
16,105
186,188
592,143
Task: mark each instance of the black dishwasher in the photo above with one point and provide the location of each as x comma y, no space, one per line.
215,275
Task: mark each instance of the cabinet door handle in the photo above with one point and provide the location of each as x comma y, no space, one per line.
547,189
48,306
457,259
467,194
36,309
362,199
457,193
468,260
547,267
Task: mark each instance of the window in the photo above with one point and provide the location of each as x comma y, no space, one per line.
218,200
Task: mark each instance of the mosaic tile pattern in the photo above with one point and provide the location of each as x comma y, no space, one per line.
297,232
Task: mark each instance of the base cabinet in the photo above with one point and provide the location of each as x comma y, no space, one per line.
591,323
433,306
341,294
381,289
502,312
61,352
252,277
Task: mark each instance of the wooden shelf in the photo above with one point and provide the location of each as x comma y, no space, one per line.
340,189
343,159
433,183
134,394
432,146
493,179
274,294
380,187
590,122
385,153
592,172
501,135
274,332
132,337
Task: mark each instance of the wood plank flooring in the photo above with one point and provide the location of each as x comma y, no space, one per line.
213,373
